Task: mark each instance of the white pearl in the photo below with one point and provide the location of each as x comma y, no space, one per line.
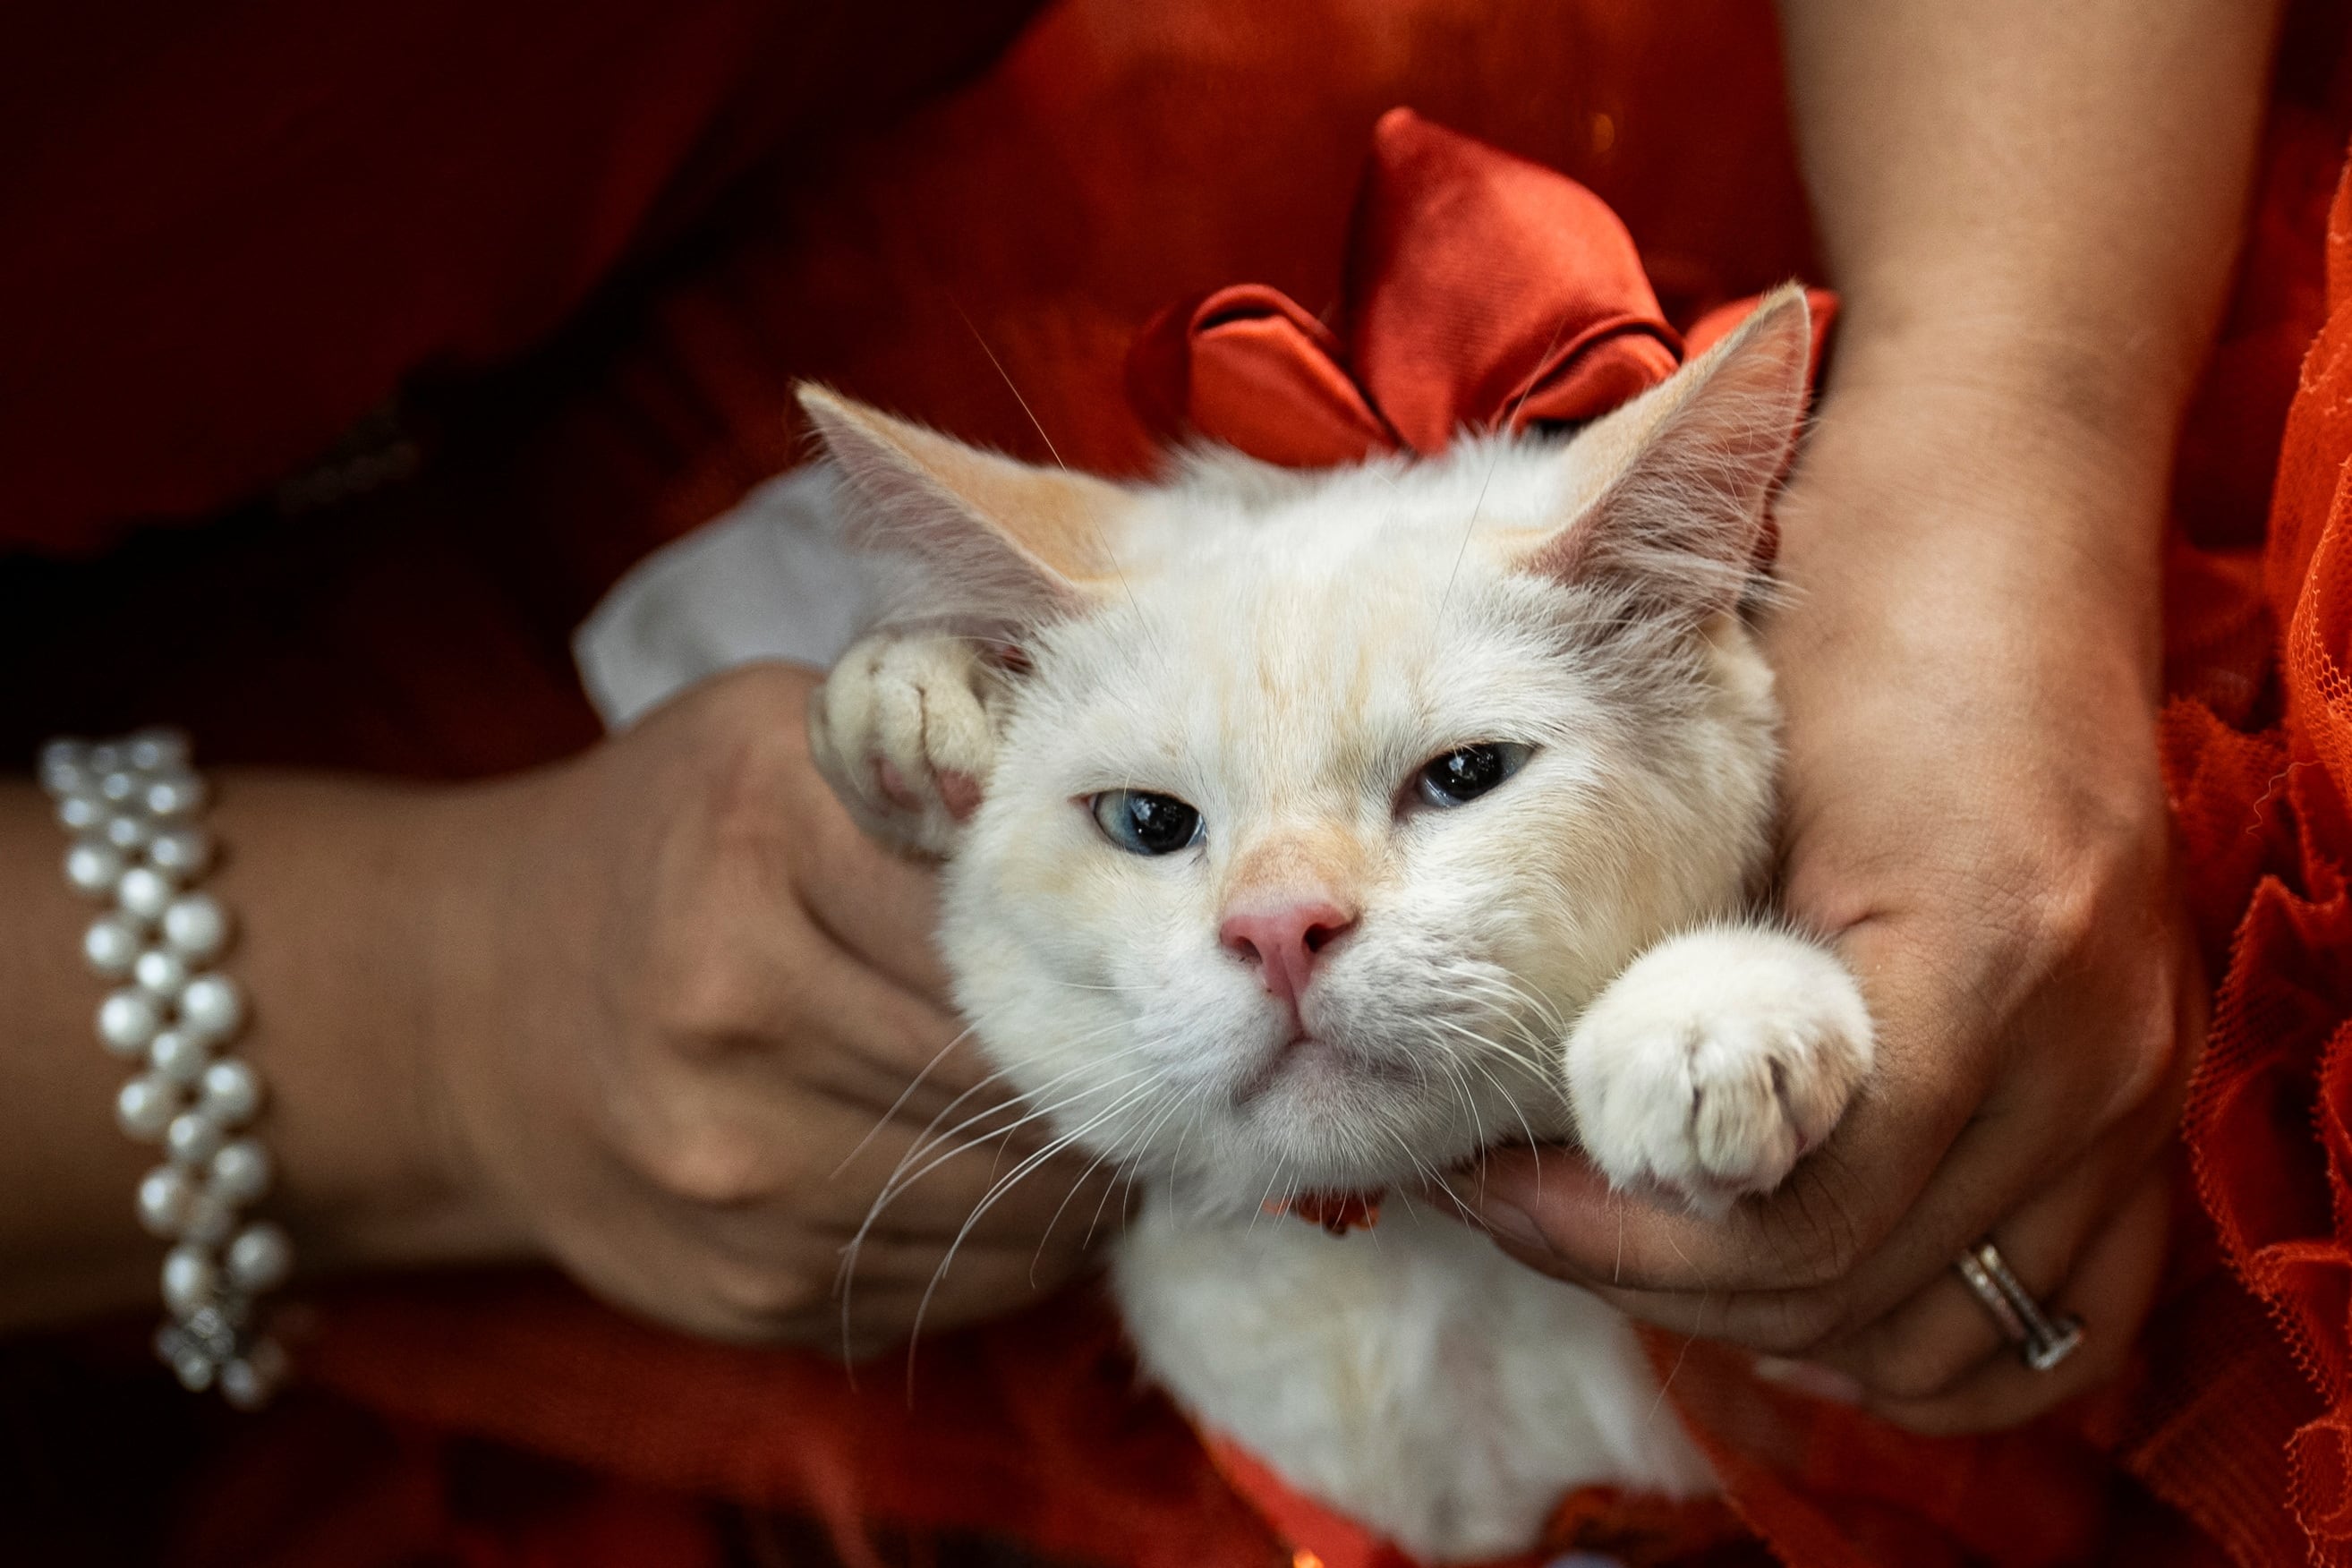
196,927
164,1194
63,779
160,973
82,812
193,1137
241,1172
209,1221
120,785
62,764
126,1022
179,1056
190,1280
144,891
232,1092
92,865
145,1106
156,749
195,1370
247,1382
112,945
212,1005
180,852
260,1258
174,795
128,832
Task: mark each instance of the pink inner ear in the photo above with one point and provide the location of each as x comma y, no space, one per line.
1006,656
1687,518
1562,556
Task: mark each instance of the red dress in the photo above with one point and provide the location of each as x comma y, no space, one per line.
596,244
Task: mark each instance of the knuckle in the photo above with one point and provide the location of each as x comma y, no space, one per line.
714,1172
709,1001
767,1302
1817,1244
1828,1225
1912,1372
1800,1324
1836,1255
745,775
2069,912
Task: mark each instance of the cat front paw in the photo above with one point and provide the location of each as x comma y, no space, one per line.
1714,1062
901,732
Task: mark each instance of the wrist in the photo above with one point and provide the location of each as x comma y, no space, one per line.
1966,523
2013,387
345,893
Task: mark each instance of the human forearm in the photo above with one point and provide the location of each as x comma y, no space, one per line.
2030,209
2043,201
341,892
659,1014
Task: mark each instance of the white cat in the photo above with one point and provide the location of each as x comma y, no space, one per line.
1305,832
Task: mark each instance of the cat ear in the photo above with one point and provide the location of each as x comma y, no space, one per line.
1684,475
997,539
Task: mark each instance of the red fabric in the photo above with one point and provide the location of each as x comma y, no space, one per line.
225,234
2263,811
1121,157
1635,1529
1483,292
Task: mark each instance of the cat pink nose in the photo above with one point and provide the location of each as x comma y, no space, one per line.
1284,942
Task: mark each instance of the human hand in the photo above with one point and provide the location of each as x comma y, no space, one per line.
684,1004
1975,814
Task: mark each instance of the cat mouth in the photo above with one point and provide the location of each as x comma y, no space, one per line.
1311,1060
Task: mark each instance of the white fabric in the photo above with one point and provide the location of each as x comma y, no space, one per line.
770,580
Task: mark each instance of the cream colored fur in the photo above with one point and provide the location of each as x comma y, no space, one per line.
1576,955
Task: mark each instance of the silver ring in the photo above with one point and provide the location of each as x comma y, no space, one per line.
2041,1341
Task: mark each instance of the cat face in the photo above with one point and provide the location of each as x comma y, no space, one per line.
1325,801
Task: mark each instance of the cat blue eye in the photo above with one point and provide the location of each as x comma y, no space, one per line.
1465,773
1142,823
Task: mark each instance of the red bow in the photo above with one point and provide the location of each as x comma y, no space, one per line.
1481,291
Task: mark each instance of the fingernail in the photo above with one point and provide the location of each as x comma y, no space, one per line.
1810,1379
1513,1224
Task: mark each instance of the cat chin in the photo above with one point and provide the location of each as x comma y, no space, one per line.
1242,1173
1331,1118
1320,1076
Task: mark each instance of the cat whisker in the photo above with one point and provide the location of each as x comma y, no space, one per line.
929,1139
1035,1113
904,1095
994,1195
1143,1137
1507,1100
1501,445
900,1180
1093,525
1461,1085
1075,1185
1281,1164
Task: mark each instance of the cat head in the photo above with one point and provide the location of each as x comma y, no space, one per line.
1322,801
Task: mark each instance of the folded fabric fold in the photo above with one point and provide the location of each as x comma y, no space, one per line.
1483,292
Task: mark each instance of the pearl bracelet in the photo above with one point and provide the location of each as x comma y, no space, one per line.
131,805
